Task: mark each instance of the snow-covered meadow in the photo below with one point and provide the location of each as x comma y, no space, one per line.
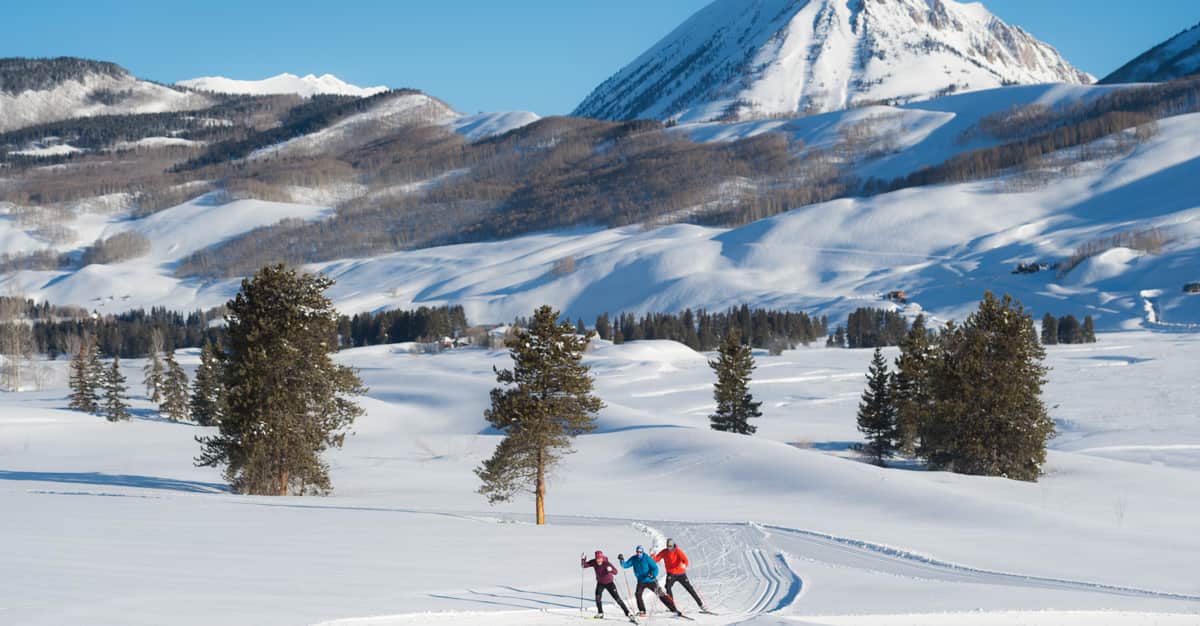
111,523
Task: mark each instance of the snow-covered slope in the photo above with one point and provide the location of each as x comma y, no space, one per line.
86,93
308,85
754,58
956,240
1176,57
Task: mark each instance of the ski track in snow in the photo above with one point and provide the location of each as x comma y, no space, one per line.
745,570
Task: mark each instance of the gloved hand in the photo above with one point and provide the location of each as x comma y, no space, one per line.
620,557
583,556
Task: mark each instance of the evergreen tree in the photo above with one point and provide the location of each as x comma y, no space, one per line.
116,394
173,390
877,412
911,395
839,337
580,327
987,417
735,405
152,372
1049,330
286,400
1089,329
84,393
604,327
546,400
208,389
1069,330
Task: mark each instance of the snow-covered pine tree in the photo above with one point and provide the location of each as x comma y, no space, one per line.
877,412
286,400
152,371
84,393
208,389
987,417
911,385
545,400
116,393
735,405
1049,330
173,390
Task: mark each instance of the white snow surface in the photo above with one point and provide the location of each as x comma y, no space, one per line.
307,85
758,58
72,99
112,524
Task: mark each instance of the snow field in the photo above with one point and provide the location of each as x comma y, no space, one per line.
111,523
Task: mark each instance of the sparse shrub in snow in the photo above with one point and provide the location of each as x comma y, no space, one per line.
1150,241
564,266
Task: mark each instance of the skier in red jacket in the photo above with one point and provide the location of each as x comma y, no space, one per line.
676,563
605,571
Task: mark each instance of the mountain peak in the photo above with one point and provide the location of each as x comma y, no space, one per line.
308,85
754,58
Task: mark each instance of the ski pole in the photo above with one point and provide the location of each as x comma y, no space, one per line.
582,585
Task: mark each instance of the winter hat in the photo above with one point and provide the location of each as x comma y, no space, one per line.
670,543
599,554
639,549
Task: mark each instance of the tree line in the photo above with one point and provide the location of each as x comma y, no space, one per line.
703,331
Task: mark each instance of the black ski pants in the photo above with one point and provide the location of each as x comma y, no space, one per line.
658,591
687,584
612,591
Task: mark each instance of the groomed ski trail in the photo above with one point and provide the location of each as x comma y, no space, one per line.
749,572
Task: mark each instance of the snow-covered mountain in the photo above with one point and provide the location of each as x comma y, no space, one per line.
37,91
309,85
754,58
1176,57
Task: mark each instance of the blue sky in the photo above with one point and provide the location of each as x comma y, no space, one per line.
540,55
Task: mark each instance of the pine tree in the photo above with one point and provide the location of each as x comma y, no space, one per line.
208,389
911,395
152,372
839,337
1089,329
173,390
1049,330
116,394
546,401
735,405
877,412
604,327
1069,330
286,400
84,394
987,417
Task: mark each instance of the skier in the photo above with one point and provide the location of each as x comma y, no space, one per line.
646,573
676,563
605,571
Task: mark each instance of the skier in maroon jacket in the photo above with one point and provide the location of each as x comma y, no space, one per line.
605,572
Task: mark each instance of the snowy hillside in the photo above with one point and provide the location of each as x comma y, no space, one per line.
111,524
1177,57
955,241
308,85
745,59
85,91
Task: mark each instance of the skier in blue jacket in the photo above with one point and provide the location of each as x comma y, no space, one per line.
646,572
